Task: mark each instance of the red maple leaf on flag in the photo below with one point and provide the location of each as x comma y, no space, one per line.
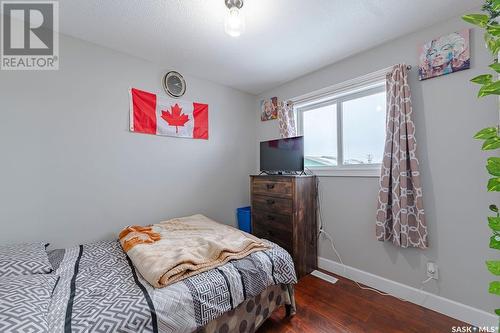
175,117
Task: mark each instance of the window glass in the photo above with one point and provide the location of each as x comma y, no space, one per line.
319,127
363,129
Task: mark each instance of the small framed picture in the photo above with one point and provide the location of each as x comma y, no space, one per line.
444,55
269,109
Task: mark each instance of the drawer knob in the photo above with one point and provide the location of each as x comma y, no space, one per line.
270,202
270,186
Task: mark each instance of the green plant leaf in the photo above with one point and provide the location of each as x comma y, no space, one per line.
493,45
493,167
493,29
494,223
494,288
492,88
495,66
494,242
486,133
482,79
495,5
477,19
491,42
494,185
496,48
493,208
493,266
492,143
497,311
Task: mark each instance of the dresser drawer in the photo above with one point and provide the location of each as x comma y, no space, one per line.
275,233
272,204
272,187
283,222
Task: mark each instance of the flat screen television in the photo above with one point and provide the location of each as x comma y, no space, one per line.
282,155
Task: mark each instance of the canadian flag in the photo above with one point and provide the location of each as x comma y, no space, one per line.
154,114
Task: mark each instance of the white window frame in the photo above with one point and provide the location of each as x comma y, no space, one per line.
338,95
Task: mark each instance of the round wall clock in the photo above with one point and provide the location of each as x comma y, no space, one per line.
174,84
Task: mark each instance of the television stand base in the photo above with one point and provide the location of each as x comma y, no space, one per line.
283,173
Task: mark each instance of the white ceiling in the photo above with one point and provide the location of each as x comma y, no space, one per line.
284,39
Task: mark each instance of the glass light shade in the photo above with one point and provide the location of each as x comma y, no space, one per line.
234,24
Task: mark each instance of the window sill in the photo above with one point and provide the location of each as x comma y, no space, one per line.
368,172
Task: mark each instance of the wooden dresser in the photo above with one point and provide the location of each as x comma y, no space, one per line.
284,212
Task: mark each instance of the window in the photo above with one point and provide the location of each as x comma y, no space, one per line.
344,133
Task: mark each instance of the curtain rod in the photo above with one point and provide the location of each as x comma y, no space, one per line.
408,67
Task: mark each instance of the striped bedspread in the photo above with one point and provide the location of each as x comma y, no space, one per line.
99,290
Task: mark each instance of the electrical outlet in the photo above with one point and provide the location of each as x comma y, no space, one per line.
432,270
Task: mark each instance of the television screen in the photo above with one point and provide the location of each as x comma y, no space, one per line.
282,155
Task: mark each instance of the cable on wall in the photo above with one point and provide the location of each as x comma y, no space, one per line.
323,232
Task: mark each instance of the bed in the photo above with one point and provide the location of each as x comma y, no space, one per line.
99,290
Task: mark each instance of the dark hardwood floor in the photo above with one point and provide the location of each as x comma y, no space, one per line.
343,307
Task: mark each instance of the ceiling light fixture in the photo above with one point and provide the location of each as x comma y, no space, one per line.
234,23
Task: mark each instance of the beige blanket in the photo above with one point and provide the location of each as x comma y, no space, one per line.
173,250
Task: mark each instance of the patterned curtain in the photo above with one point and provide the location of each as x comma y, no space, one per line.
286,118
400,212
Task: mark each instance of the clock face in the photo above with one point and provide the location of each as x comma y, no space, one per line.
174,84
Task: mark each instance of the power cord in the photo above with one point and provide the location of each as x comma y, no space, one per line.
323,232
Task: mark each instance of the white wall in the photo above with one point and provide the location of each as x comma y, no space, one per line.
71,171
447,114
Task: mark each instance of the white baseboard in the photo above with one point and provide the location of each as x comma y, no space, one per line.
428,300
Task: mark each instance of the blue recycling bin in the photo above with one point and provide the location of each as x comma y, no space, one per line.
244,216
